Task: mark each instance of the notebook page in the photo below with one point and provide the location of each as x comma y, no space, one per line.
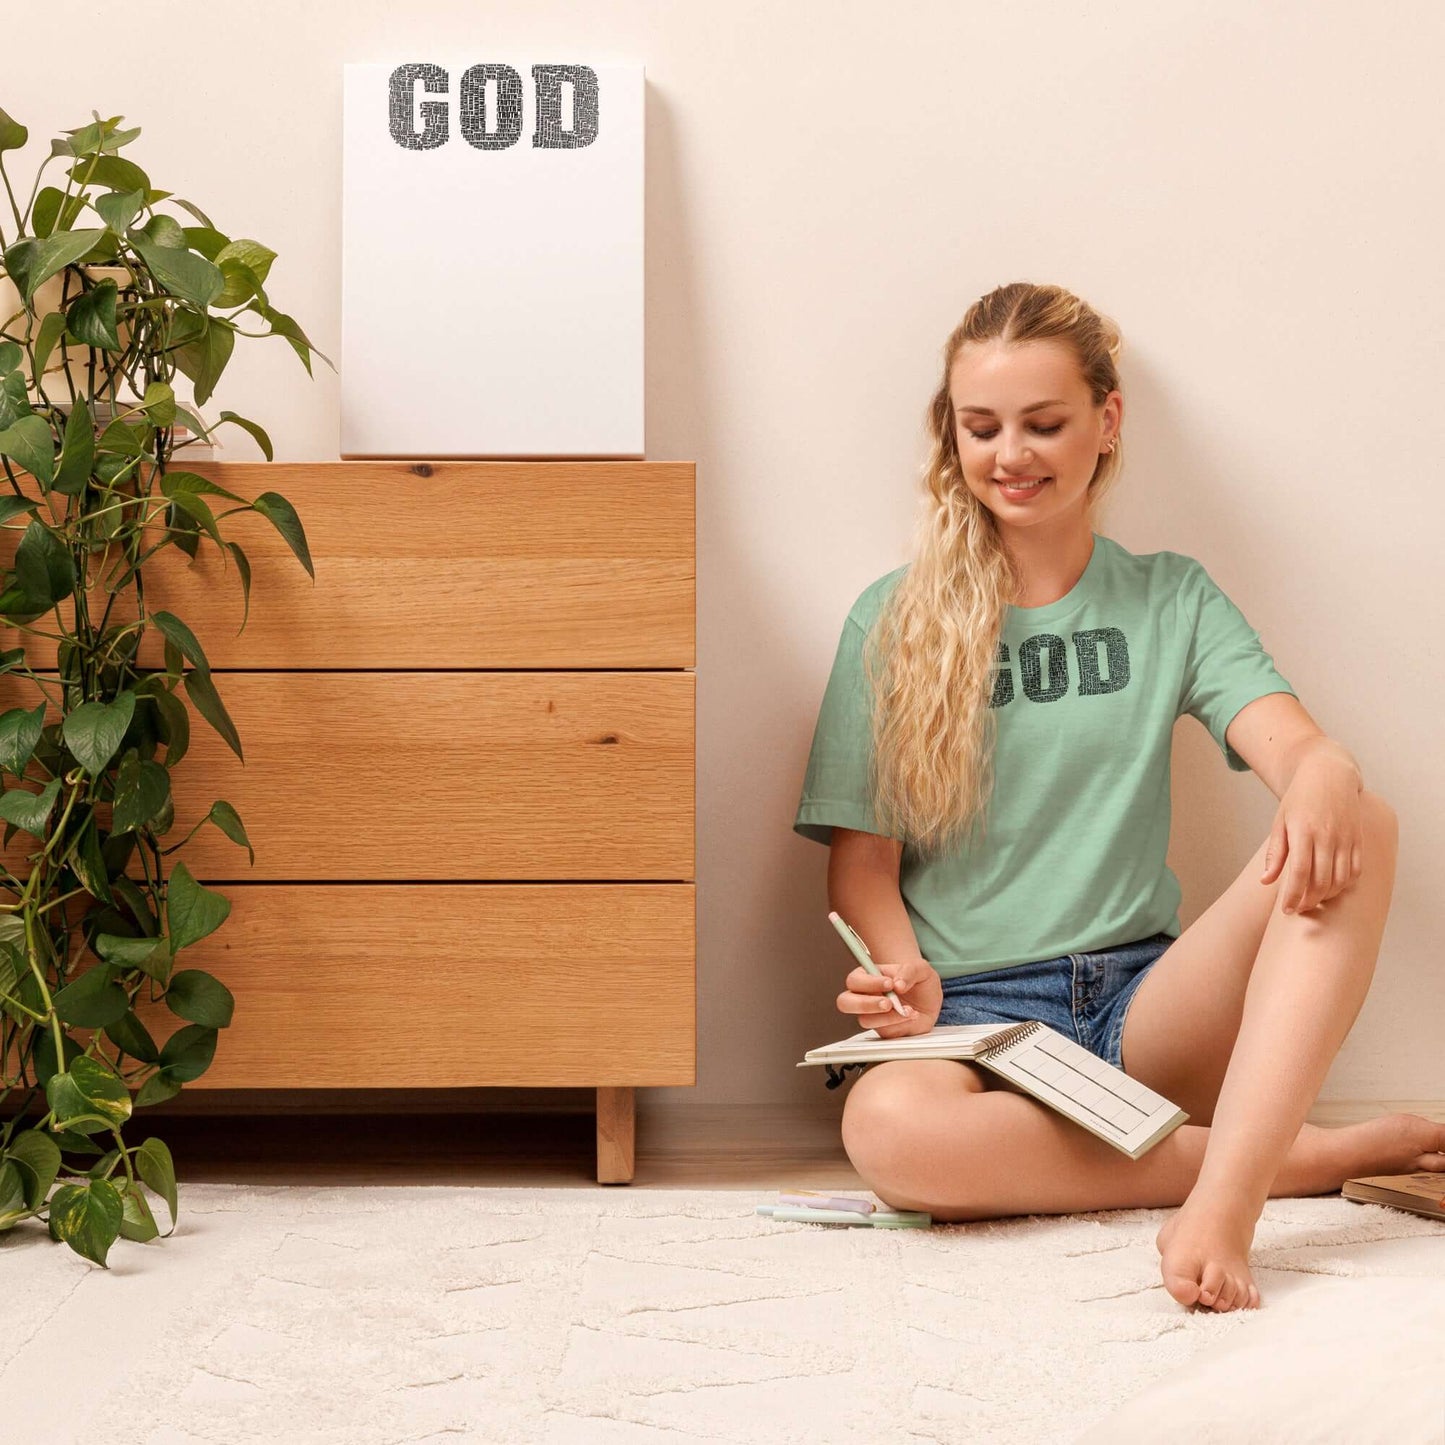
1105,1100
949,1041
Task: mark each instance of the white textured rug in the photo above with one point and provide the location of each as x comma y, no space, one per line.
611,1316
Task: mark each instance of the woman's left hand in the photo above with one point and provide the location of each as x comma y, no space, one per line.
1317,835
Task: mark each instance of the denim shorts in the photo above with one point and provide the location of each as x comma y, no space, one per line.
1084,996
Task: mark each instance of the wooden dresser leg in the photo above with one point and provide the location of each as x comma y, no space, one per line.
616,1134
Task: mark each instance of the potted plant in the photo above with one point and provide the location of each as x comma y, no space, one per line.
104,297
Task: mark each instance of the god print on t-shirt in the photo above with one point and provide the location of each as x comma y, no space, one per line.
1100,664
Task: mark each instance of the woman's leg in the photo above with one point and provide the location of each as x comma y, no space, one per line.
929,1143
1305,989
945,1136
941,1135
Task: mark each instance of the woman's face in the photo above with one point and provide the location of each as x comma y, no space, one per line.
1003,433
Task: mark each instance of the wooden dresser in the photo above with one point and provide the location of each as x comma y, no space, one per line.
468,778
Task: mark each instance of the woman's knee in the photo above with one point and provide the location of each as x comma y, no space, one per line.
891,1103
1380,816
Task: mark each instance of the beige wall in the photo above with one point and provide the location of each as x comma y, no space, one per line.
1252,192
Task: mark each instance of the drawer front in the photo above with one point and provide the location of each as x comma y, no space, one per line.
399,986
434,565
445,775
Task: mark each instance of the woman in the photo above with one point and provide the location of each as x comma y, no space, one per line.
1005,704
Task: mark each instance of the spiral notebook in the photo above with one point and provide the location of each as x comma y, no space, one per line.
1037,1059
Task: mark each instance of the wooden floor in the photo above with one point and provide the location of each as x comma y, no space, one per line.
497,1150
463,1138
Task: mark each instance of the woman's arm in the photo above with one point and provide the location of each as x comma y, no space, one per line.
863,888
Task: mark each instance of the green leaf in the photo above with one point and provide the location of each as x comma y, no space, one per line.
177,632
93,732
151,955
131,1035
202,692
87,1217
141,791
187,1054
161,1085
119,208
175,726
88,861
52,211
72,1141
88,1088
191,910
13,1207
91,318
137,905
174,482
113,173
241,285
93,1000
158,1170
14,395
127,438
115,139
77,452
243,566
159,403
284,325
31,443
38,1156
104,1164
52,327
225,817
165,231
204,239
10,355
12,507
43,565
182,273
204,359
23,993
86,140
251,254
197,426
190,503
197,212
31,263
260,437
282,515
137,1223
13,135
200,998
45,1063
29,810
19,736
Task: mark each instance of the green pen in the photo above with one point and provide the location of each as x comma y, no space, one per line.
859,950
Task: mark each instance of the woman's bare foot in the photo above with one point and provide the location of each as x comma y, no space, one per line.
1391,1144
1204,1255
1204,1246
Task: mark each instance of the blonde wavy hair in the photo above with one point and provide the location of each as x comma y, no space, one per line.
929,657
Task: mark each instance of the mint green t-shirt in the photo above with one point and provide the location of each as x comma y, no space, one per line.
1087,691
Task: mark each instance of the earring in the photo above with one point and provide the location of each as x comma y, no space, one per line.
1110,447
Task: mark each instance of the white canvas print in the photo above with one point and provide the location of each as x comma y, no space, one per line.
492,259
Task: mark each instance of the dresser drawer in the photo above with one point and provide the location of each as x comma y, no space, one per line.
444,775
434,565
451,985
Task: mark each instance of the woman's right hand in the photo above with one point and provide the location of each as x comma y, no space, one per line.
919,990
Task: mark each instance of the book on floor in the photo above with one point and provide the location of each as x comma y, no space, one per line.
1420,1193
1040,1061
